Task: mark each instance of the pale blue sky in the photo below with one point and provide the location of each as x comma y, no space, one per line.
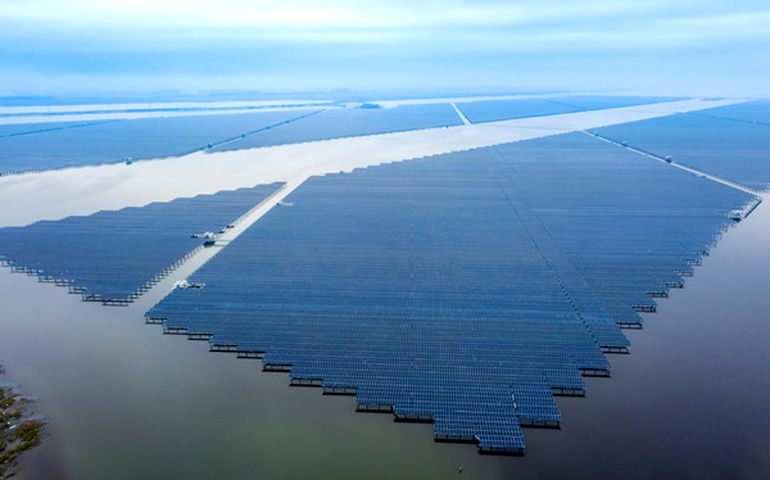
686,47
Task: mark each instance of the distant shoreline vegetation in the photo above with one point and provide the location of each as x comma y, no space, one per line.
19,429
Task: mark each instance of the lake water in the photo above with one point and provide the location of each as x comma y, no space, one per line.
125,401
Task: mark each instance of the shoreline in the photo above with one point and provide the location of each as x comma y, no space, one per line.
21,429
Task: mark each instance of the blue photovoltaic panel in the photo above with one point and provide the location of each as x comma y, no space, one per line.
420,290
599,102
348,122
757,112
464,288
625,222
497,110
116,141
14,129
736,151
111,256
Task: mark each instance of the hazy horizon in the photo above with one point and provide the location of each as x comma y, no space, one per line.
650,47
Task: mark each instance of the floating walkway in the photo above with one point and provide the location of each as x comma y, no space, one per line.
113,257
717,148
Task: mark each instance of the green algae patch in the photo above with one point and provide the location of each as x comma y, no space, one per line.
18,431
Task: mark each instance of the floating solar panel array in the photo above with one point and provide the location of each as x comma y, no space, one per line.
600,102
114,256
419,291
729,149
46,146
348,122
466,289
14,129
757,112
497,110
632,227
42,146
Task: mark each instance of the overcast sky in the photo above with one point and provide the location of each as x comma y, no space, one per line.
697,47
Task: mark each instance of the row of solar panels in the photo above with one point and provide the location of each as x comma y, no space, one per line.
112,256
730,142
42,146
464,288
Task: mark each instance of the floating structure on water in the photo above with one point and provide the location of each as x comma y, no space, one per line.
756,112
466,289
113,257
497,110
348,122
37,147
735,151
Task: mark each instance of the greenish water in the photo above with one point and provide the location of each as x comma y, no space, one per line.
125,401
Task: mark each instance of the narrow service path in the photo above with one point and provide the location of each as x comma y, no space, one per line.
460,114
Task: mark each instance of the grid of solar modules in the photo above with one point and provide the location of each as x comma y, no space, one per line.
757,112
632,227
497,110
348,122
113,256
47,146
465,289
708,141
42,146
599,102
15,129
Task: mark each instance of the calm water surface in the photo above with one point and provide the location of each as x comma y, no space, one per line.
125,401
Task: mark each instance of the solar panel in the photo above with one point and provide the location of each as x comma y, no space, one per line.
599,102
96,143
497,110
347,122
465,289
757,112
113,256
14,129
730,149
